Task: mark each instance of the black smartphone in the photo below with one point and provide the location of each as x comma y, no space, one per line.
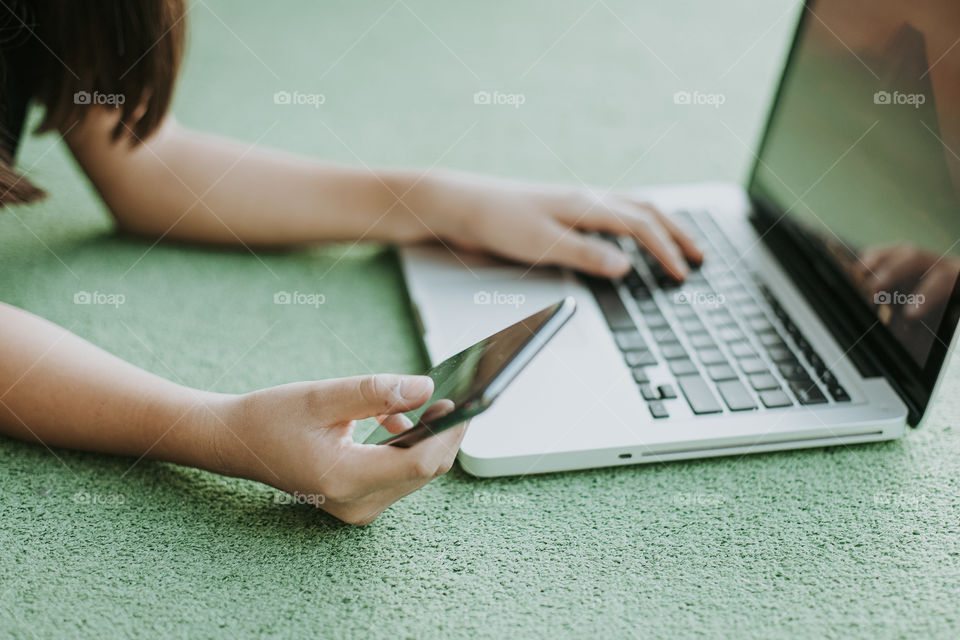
466,384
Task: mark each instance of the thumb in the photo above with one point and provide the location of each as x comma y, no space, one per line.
359,397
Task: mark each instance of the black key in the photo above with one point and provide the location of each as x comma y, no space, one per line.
741,296
807,392
682,367
816,363
641,293
775,398
692,326
753,365
655,320
684,312
698,395
711,356
780,354
664,279
794,332
702,341
664,335
838,393
736,395
751,310
633,279
721,372
672,351
629,340
726,322
649,393
828,379
640,358
770,339
640,375
667,392
742,350
610,304
648,306
658,410
793,371
764,382
731,334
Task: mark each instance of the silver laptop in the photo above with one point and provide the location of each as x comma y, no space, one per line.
825,309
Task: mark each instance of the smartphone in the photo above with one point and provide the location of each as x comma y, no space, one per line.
466,384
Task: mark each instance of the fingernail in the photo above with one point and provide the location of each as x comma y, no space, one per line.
405,421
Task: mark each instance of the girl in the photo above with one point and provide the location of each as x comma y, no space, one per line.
104,72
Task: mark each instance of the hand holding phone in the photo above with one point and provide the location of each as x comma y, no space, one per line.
467,383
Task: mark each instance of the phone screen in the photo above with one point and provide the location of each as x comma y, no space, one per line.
466,383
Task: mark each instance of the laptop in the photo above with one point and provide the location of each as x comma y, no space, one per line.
826,306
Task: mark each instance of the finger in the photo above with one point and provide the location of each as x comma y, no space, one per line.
687,244
377,467
897,270
651,235
931,291
438,409
570,248
396,423
361,397
872,258
625,218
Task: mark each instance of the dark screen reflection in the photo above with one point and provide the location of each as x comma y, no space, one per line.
862,153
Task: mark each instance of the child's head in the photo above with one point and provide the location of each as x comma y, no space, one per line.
71,56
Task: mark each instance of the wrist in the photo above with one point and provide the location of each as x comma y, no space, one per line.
434,205
194,431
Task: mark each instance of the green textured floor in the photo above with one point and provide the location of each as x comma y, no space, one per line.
862,541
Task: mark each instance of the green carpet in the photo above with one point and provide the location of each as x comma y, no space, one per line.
845,542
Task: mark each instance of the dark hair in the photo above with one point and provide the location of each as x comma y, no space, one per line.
70,50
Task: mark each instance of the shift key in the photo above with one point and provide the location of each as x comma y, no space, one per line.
698,394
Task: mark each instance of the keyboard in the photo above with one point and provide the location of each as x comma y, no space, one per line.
720,341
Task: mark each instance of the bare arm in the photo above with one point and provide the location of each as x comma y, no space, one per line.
65,392
186,185
60,390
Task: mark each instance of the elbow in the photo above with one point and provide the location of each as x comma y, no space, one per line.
134,218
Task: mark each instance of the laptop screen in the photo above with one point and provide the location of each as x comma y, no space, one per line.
861,158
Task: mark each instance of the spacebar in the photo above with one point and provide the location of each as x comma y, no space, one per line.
698,394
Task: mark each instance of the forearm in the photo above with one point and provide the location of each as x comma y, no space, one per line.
61,390
186,185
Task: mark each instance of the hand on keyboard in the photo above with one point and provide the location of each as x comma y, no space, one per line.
545,224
